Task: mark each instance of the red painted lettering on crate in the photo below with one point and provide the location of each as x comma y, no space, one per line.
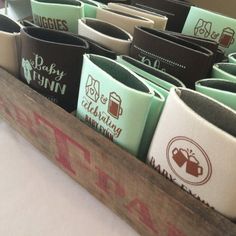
174,231
108,184
139,208
62,142
42,128
23,118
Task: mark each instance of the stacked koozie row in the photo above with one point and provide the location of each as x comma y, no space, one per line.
125,69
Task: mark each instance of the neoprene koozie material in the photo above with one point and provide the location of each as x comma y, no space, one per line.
187,61
160,21
232,57
176,11
28,23
117,1
51,64
106,34
96,48
163,80
225,71
115,101
60,15
207,43
90,8
221,90
198,151
211,25
9,34
123,20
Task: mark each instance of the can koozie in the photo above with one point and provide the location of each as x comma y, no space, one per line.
210,44
232,57
176,11
221,90
59,15
159,20
225,71
90,8
106,34
96,48
114,101
198,151
28,23
212,25
153,75
9,45
51,64
123,20
186,61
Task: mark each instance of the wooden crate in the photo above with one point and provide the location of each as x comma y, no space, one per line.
145,199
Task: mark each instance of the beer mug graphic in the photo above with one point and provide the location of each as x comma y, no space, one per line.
193,168
114,106
227,37
180,156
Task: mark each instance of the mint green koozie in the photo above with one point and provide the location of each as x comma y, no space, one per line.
116,102
60,15
210,25
226,71
221,90
90,8
232,57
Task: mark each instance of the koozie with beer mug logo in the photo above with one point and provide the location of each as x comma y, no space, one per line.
115,101
212,25
51,63
59,15
184,60
9,44
197,152
222,90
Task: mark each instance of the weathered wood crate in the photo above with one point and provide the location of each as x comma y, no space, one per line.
145,199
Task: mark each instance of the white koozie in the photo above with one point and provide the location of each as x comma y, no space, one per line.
106,34
123,20
194,146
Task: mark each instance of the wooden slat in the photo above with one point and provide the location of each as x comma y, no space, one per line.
145,199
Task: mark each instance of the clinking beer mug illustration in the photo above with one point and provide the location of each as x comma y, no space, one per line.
114,105
182,156
227,37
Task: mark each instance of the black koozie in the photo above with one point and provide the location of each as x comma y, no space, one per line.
176,11
51,63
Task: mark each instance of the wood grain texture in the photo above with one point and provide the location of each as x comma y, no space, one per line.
138,194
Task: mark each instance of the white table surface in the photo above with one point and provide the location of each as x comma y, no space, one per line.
37,198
